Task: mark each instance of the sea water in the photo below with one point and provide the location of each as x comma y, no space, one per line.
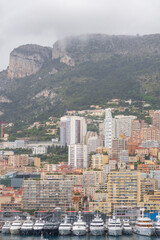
87,237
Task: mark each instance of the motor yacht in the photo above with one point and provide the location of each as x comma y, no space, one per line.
97,226
38,226
6,228
144,226
127,229
50,228
65,228
114,226
16,226
27,227
79,227
157,225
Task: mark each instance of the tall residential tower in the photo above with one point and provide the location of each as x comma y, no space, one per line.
73,130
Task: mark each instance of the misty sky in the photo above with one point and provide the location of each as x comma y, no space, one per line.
45,21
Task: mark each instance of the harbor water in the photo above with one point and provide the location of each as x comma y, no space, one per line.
87,237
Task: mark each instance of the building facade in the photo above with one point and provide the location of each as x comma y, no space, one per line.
73,130
47,194
124,188
78,156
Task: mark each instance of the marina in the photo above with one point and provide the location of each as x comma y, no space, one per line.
77,225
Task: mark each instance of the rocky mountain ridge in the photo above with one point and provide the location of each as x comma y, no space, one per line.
28,59
78,72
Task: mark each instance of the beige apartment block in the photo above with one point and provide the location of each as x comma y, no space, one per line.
100,196
37,162
148,186
124,188
94,178
104,207
18,161
99,160
77,179
5,199
151,202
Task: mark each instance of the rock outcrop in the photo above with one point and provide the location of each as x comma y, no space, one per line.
27,60
59,51
96,47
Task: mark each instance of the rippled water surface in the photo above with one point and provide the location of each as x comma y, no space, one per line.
87,237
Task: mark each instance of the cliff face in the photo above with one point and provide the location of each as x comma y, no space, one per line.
96,47
27,60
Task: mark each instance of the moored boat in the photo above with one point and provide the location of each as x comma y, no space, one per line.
27,227
16,226
97,226
127,229
38,226
50,228
6,228
114,226
65,228
157,225
144,226
79,227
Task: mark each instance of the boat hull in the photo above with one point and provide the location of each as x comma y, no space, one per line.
26,232
79,232
37,232
64,232
157,231
97,232
15,231
145,231
5,230
114,232
127,231
50,232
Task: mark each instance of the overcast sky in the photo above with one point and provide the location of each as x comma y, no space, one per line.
45,21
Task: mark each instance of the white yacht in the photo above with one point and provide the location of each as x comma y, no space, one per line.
65,228
157,225
114,226
6,228
79,227
144,225
38,227
27,227
127,229
16,226
97,226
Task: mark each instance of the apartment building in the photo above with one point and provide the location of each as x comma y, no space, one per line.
151,202
124,188
109,128
18,161
148,186
73,130
99,160
118,144
78,156
47,194
124,125
94,180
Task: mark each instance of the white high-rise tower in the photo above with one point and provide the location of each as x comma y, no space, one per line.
73,130
109,128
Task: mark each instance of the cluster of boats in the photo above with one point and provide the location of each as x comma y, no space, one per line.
143,226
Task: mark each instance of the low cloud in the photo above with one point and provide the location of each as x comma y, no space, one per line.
45,21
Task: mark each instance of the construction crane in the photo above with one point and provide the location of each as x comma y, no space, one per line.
1,130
